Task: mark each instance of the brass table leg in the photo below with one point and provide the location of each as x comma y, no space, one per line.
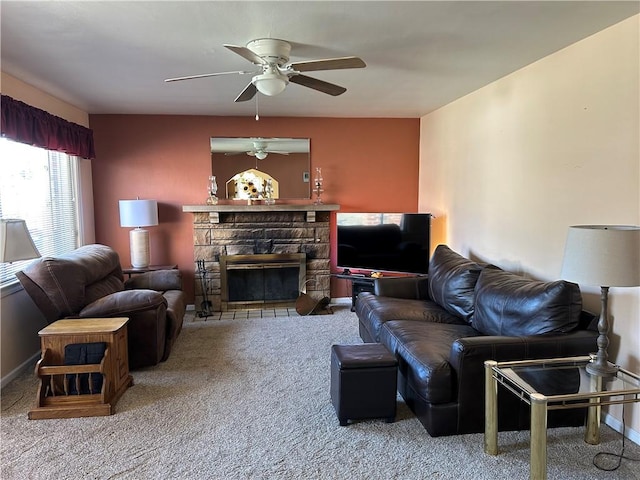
538,437
490,409
592,433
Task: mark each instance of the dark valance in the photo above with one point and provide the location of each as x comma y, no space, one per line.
26,124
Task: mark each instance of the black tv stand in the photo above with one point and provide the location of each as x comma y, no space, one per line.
359,283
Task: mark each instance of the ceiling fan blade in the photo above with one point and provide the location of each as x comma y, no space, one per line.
247,54
247,94
205,75
329,64
319,85
278,152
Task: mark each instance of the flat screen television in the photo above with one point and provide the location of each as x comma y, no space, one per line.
384,242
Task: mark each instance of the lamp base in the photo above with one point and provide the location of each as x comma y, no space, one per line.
139,245
601,369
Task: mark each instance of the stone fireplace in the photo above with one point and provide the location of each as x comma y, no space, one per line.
258,250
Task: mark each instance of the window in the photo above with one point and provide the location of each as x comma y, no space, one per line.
39,186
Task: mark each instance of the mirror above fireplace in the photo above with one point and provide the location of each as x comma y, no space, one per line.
285,159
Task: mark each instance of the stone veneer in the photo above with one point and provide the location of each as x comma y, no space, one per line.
255,229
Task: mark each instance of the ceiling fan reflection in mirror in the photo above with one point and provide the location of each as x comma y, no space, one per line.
272,56
260,150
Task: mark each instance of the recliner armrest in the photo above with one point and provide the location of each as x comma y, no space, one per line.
159,280
415,288
124,303
147,327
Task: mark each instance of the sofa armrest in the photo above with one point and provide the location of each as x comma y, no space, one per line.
501,349
160,280
415,288
467,357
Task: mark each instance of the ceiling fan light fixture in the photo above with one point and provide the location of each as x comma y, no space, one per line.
270,83
261,155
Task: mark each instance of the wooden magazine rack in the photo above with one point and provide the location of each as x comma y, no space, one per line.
59,393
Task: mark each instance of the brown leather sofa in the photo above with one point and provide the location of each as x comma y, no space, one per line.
88,283
442,328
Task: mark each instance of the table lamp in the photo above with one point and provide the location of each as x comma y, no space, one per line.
139,213
604,256
15,241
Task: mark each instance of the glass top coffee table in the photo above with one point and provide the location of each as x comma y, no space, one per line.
553,384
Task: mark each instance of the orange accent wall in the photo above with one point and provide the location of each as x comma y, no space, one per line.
368,164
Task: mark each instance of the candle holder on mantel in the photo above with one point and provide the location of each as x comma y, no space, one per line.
212,199
268,193
317,182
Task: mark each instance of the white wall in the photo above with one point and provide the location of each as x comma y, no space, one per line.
509,167
20,320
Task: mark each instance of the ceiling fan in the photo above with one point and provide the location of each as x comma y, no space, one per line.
260,150
272,56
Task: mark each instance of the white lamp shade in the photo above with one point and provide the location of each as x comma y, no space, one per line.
15,241
138,213
603,255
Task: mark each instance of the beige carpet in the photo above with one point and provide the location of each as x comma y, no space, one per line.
249,399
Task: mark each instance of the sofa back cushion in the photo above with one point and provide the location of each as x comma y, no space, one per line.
510,305
62,286
452,281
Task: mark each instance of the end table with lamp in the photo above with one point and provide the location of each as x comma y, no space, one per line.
603,255
536,383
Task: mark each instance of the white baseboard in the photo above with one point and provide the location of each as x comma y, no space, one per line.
28,364
616,424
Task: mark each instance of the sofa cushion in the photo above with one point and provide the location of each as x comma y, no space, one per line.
373,311
423,350
452,280
510,305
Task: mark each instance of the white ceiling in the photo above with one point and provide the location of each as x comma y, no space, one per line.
112,56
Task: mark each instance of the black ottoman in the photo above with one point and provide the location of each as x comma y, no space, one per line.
363,382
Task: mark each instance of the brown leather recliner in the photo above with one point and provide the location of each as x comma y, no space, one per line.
88,283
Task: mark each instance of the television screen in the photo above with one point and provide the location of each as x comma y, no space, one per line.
390,242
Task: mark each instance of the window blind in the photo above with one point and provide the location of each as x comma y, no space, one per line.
39,186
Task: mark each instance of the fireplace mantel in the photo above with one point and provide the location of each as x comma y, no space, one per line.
215,210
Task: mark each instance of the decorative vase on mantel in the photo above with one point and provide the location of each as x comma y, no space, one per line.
212,199
317,182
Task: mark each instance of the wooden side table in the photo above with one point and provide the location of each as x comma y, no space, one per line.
359,283
54,399
151,268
